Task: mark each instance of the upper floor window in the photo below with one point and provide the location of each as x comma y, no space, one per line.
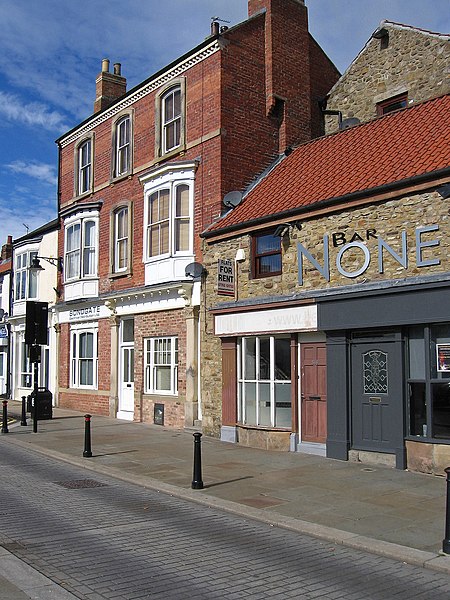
81,249
25,287
170,119
266,254
122,155
121,235
169,215
391,104
84,167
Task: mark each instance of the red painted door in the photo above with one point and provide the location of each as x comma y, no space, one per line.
314,392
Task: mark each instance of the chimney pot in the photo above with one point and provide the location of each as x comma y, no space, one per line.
215,28
117,68
105,65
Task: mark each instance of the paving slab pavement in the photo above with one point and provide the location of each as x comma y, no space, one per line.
382,510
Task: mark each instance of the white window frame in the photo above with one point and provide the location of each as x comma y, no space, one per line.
84,167
85,252
26,368
77,359
171,182
122,154
174,120
152,361
23,277
124,239
271,381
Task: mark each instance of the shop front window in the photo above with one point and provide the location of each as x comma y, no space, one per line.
264,366
429,382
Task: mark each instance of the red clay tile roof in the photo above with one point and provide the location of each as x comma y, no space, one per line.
398,146
5,266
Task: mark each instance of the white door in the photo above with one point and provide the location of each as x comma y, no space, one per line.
126,370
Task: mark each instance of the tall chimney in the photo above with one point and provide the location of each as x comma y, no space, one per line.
109,87
6,251
287,67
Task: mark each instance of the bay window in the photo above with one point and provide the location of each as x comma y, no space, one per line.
264,381
169,217
81,249
25,287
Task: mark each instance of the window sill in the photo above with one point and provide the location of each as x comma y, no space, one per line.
83,195
262,427
120,274
425,440
166,155
118,178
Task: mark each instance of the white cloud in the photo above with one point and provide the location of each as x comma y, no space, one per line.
32,113
16,217
40,171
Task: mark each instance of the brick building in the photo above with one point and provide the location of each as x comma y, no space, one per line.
337,338
142,177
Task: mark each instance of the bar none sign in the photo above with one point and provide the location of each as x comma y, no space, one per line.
225,277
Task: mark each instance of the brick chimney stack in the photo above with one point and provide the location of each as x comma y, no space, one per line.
109,87
6,252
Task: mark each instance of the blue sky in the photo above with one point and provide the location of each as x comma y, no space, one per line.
51,52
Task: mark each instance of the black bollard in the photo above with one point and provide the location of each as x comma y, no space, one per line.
446,541
197,483
24,412
87,453
5,417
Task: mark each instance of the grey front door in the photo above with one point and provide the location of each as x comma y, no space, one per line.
377,396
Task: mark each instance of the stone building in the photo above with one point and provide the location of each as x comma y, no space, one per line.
142,177
399,66
327,298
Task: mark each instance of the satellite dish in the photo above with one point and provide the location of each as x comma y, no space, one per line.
232,199
194,270
350,122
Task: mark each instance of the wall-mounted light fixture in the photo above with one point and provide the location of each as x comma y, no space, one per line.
56,262
284,228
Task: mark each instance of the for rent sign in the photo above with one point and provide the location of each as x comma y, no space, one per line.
225,277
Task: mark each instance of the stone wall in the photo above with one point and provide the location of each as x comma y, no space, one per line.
414,61
386,220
